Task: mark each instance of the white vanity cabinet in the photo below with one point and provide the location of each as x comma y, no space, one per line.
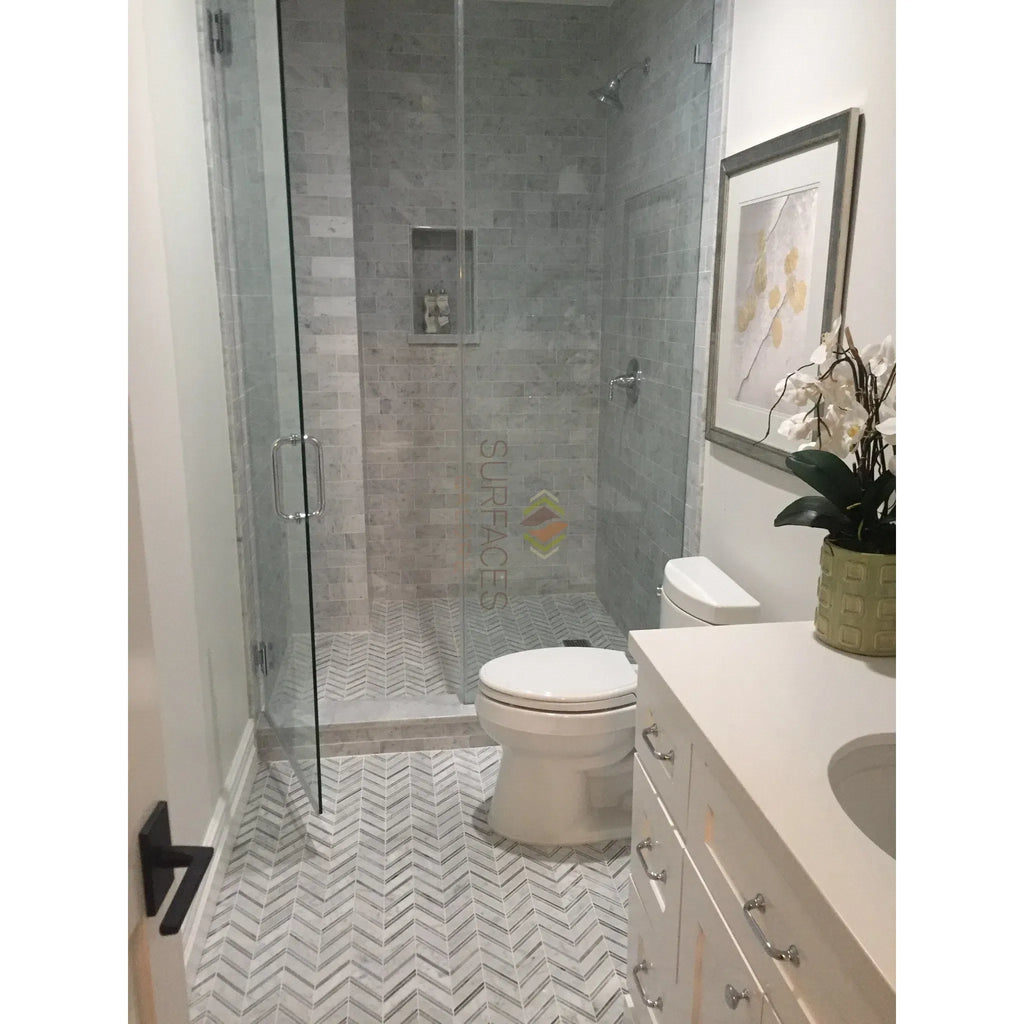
726,922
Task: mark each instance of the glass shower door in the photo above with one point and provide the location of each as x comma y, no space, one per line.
277,465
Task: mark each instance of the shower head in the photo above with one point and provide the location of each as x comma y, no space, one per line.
610,93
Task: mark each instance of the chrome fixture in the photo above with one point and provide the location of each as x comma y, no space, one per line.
630,380
791,954
610,93
294,439
652,730
648,844
642,968
733,996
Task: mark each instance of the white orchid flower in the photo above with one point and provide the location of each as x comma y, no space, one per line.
820,354
829,338
838,388
887,428
842,426
880,357
800,427
799,388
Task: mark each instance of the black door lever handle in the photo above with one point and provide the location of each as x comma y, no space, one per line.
159,859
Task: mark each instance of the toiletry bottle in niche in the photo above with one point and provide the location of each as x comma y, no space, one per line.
430,312
444,315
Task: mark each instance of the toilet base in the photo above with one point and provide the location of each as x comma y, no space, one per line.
541,802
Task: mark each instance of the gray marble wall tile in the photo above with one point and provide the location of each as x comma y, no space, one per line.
533,184
654,199
534,196
401,61
316,106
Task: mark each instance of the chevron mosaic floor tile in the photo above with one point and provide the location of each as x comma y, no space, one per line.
413,649
399,905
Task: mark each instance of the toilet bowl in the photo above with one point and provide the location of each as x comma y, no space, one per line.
565,717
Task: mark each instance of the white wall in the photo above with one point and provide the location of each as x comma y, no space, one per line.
179,424
793,62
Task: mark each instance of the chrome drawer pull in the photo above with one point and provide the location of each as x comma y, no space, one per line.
648,844
733,996
652,730
645,966
791,954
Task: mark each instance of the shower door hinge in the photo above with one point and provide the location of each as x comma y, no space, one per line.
220,32
698,55
259,658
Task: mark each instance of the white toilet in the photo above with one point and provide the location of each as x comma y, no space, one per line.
564,717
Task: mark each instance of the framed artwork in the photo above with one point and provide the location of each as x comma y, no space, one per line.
784,225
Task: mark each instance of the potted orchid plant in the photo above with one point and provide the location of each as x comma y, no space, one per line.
843,404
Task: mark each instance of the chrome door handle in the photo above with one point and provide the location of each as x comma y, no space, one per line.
648,844
293,439
318,448
733,996
791,954
652,730
645,966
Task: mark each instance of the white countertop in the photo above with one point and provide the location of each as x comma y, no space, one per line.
775,704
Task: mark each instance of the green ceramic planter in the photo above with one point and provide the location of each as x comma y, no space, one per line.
856,601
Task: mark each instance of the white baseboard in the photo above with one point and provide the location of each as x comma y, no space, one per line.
220,834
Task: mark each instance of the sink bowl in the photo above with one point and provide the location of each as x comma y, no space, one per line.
862,774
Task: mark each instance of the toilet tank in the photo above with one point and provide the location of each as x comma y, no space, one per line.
695,592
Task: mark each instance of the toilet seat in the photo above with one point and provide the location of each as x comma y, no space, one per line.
561,679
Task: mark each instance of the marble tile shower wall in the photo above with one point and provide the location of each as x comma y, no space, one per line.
401,63
241,256
316,105
534,198
534,165
655,177
543,215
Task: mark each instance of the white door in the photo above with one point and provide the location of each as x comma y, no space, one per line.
158,993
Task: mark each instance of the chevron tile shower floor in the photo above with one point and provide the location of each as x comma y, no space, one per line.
399,905
413,648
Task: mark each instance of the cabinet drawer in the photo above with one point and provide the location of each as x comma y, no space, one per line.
736,867
656,854
663,744
651,966
716,984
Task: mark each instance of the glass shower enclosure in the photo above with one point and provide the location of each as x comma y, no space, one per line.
439,249
277,464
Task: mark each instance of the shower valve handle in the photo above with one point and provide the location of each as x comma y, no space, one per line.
630,381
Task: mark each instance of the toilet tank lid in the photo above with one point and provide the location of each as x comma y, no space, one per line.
699,587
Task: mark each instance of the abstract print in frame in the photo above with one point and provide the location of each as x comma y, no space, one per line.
784,224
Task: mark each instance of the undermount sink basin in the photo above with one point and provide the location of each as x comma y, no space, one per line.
862,774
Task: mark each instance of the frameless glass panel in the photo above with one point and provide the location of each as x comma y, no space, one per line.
654,179
369,93
275,462
583,161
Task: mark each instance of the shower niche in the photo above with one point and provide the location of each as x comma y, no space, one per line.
437,318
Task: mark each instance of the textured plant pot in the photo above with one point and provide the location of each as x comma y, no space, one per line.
856,601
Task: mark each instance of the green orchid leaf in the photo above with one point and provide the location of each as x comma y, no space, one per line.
828,475
815,511
880,491
883,536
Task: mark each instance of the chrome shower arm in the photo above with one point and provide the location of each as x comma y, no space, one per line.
644,64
